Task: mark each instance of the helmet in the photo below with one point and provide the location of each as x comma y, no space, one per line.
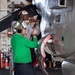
17,25
21,13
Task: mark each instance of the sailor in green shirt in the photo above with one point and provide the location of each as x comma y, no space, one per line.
21,50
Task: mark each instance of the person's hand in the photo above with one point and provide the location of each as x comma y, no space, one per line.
35,32
37,22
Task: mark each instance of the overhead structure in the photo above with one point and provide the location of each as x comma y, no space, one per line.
6,21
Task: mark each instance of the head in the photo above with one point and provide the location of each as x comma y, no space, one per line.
23,15
20,28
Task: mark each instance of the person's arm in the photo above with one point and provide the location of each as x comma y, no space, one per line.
29,43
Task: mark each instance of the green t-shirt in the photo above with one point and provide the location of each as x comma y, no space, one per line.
21,48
